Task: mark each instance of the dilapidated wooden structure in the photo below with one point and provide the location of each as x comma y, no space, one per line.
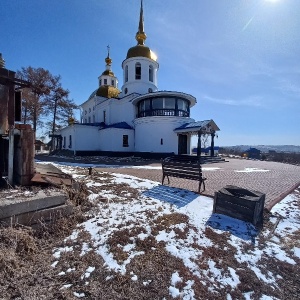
16,139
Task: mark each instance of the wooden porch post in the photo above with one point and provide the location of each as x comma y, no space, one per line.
199,144
212,146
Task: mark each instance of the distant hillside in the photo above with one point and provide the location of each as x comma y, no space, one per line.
266,148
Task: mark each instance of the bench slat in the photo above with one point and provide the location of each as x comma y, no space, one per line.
183,167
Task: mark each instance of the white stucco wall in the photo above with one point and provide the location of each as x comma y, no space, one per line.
150,130
122,111
142,85
111,139
83,137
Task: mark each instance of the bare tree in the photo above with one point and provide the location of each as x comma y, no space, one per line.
41,83
59,105
46,98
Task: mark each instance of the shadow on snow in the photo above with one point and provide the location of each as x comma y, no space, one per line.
175,196
239,228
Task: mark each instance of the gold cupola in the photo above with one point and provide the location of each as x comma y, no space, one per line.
108,82
140,50
108,62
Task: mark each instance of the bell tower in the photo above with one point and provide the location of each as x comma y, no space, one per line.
108,82
140,66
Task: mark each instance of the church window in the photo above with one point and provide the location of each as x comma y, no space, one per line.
126,90
70,141
105,81
112,82
85,120
89,119
126,73
85,112
150,73
125,141
169,103
64,143
94,119
150,90
138,71
147,104
104,116
90,109
157,103
99,82
161,141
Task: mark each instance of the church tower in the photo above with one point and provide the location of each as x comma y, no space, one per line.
108,82
140,66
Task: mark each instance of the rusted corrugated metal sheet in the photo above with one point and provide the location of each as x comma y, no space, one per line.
24,155
3,109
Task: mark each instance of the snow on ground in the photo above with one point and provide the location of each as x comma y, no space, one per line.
251,170
184,239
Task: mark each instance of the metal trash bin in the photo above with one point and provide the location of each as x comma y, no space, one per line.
240,203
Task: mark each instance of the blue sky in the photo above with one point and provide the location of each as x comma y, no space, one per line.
239,58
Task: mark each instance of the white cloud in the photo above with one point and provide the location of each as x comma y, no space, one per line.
256,101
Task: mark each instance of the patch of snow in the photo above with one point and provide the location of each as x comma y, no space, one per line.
88,272
79,295
70,270
61,273
66,286
175,278
250,170
58,251
296,251
134,278
174,292
54,264
210,168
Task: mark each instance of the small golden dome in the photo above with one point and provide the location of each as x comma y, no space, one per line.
108,73
71,120
141,51
108,60
108,91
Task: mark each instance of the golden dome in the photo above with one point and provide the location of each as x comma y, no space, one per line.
141,51
108,60
108,73
107,91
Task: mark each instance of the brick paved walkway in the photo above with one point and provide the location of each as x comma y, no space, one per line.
276,183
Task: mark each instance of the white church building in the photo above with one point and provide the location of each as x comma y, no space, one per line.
138,118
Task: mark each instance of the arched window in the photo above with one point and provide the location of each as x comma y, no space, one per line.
150,73
138,71
126,73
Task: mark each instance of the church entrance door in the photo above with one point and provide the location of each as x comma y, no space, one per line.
182,144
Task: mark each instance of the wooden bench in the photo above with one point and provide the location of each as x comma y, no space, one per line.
183,167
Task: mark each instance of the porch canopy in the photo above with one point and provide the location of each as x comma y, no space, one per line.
199,128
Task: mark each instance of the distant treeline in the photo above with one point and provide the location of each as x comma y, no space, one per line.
290,158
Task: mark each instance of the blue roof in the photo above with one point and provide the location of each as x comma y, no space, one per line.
102,125
120,125
193,124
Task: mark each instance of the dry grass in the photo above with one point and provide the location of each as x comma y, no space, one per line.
26,256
